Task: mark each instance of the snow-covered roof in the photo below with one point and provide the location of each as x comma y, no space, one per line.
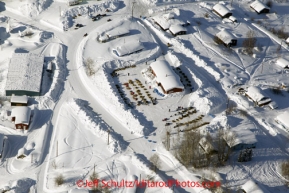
282,62
129,47
287,40
1,142
117,32
166,23
256,94
251,187
242,136
225,36
78,191
258,6
165,75
21,114
221,9
19,99
25,72
177,28
283,119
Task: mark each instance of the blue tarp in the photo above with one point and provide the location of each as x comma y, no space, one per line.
156,91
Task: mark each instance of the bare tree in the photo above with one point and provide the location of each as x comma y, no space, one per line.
155,162
249,42
59,180
90,65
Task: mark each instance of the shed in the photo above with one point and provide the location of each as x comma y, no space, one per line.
113,34
222,10
166,78
24,74
19,100
233,19
128,48
257,96
259,7
227,38
283,119
177,30
21,117
238,139
283,63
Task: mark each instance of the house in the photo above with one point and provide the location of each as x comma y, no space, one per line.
227,38
24,74
19,100
2,143
283,120
21,117
177,30
113,34
259,7
167,20
240,138
252,187
128,48
257,96
222,10
165,77
283,63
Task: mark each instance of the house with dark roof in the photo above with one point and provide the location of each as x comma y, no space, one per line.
227,38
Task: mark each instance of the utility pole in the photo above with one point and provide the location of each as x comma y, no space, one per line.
168,140
132,7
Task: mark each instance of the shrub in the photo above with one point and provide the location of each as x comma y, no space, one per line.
249,42
206,15
276,91
59,180
285,169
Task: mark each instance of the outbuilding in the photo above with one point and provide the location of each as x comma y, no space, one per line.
259,7
19,100
283,120
21,117
283,63
227,38
257,96
177,30
72,2
165,77
222,10
252,187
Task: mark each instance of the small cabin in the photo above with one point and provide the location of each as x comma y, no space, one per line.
21,117
227,38
222,10
177,30
259,7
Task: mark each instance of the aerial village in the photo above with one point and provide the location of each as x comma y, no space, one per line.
191,96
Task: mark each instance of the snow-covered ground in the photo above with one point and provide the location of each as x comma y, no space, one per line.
83,121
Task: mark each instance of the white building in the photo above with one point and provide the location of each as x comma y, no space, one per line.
128,48
256,94
283,120
259,7
222,10
72,2
166,78
21,117
19,100
24,74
